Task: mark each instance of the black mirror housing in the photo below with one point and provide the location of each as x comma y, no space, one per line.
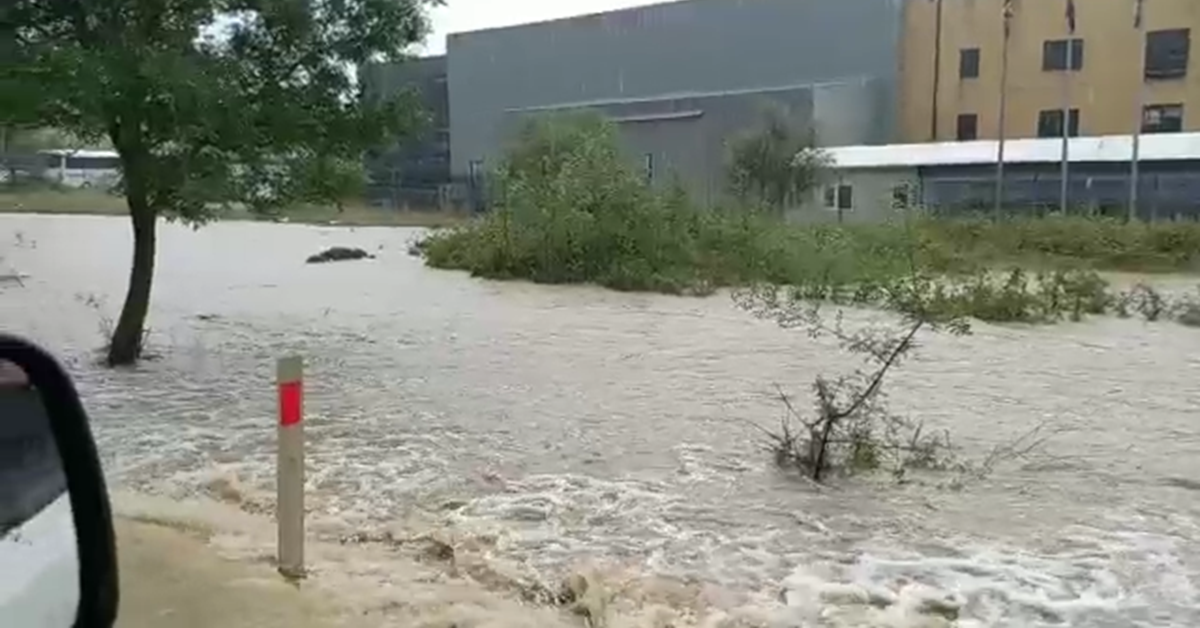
87,491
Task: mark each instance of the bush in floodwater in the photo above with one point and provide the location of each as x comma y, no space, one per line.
1019,296
851,429
1013,296
1151,305
568,209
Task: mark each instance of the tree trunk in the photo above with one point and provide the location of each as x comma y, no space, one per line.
126,345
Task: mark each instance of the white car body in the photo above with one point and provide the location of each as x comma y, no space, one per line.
39,569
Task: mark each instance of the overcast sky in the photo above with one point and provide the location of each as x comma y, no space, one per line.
469,15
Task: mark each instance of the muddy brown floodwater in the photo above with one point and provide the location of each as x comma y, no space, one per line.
551,430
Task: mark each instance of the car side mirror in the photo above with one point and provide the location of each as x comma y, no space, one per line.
58,560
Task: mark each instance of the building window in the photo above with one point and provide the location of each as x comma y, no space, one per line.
1167,53
1050,123
648,167
845,197
1054,55
831,196
968,127
968,63
901,196
1162,119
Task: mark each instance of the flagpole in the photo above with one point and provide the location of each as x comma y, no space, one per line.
1065,191
1139,27
999,194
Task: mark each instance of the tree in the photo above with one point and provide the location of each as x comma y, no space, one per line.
210,104
776,163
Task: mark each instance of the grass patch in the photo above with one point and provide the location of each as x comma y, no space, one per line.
45,200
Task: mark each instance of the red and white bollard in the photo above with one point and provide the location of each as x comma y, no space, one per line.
289,501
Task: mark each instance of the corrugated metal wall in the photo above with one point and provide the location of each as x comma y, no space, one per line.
687,135
676,52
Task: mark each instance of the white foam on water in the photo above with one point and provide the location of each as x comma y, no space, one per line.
1103,579
512,549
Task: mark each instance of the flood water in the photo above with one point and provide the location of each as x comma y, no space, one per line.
564,428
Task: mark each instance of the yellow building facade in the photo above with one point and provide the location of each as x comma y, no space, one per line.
952,60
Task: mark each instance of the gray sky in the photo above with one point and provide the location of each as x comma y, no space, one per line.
468,15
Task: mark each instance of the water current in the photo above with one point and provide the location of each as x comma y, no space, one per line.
544,431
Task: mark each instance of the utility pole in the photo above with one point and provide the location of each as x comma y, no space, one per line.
1140,28
1065,191
999,195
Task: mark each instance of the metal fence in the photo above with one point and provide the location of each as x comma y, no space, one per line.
457,194
1165,195
21,170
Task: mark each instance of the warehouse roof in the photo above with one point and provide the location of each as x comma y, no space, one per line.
1108,148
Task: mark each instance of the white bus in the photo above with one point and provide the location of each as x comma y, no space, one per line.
82,168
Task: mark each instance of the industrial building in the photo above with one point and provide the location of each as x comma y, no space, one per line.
874,183
415,173
1109,72
681,78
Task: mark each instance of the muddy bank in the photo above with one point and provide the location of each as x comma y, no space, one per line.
172,577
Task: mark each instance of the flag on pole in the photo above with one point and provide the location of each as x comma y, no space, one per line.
1009,9
1137,14
1071,16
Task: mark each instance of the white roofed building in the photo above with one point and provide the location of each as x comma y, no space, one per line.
868,183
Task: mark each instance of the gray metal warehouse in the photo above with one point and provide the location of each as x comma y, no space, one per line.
680,78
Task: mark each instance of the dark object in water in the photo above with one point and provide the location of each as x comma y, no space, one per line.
338,254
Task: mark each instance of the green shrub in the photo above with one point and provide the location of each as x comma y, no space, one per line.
569,209
775,164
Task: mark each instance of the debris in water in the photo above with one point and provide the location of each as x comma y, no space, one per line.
438,550
1190,316
339,254
16,278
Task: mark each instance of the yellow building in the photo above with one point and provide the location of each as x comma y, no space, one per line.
952,60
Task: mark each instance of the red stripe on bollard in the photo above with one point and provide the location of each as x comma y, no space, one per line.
291,403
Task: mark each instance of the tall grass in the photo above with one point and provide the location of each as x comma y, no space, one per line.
570,210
